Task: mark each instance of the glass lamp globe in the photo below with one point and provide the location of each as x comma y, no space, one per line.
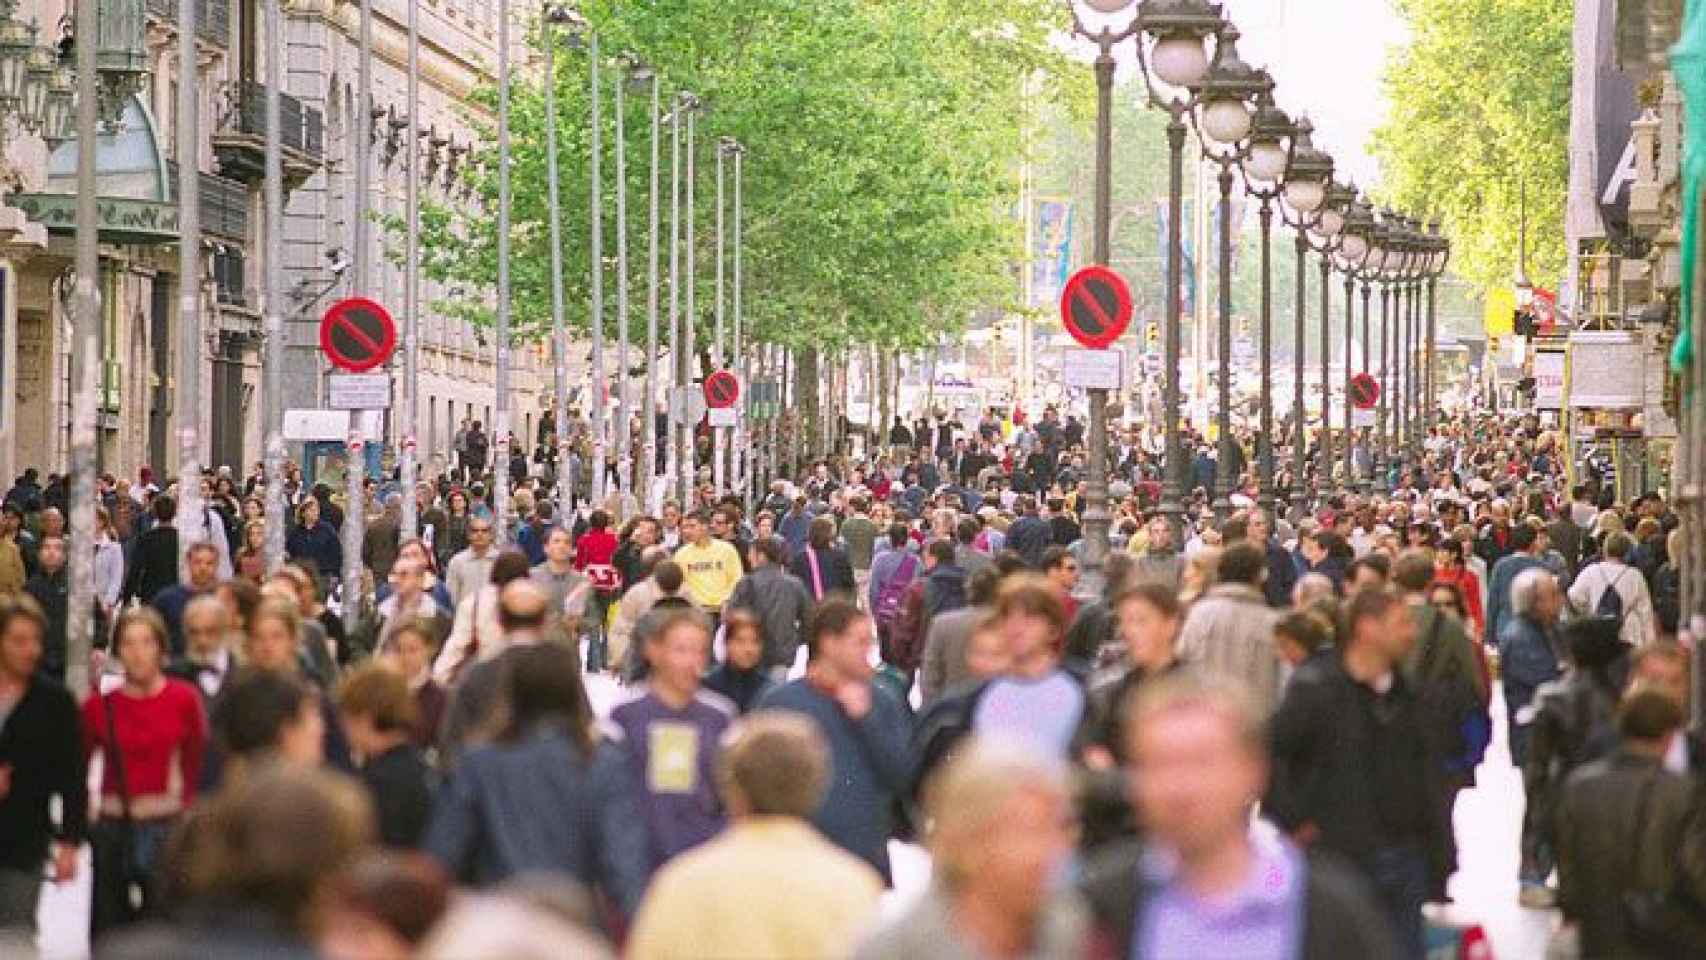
1355,248
1267,162
1180,60
1332,221
1305,196
1226,121
1107,6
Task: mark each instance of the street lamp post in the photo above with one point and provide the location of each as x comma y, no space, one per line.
1266,164
649,408
1096,518
1439,256
1354,248
1172,64
1223,119
1308,195
554,16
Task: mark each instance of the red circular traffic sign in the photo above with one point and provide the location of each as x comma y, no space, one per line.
1095,307
722,389
357,334
1365,392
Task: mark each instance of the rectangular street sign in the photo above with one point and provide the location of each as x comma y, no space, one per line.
304,425
359,391
1092,369
1362,418
722,416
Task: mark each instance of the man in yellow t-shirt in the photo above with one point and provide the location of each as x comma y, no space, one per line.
711,567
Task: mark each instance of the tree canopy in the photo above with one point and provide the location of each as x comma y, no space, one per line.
883,145
1480,104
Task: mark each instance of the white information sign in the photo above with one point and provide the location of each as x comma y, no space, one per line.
1092,369
359,391
302,425
1362,418
1606,370
1549,380
722,416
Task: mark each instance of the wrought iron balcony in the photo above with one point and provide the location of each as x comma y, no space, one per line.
212,18
224,206
240,140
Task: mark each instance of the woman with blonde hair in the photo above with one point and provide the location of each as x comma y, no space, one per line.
1200,574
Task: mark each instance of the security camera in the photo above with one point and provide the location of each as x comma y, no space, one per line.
337,261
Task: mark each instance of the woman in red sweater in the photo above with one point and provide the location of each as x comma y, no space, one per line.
595,551
149,780
1449,568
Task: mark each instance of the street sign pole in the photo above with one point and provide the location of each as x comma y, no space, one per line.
596,192
80,623
406,462
648,409
500,429
559,329
718,433
187,402
355,507
272,363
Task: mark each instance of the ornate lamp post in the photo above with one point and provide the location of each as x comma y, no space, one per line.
1173,59
1439,255
1308,184
1223,119
1266,162
1354,248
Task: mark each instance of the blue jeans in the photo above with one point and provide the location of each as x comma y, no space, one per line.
1400,876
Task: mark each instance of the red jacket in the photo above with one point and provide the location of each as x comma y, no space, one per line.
595,548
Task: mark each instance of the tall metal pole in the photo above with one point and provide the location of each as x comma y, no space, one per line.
677,390
1428,384
1225,478
1264,437
1096,518
500,464
355,521
187,404
689,475
1383,443
1173,480
86,327
624,431
1367,434
600,388
272,360
1325,477
1300,431
742,458
411,284
559,325
649,408
717,433
1349,438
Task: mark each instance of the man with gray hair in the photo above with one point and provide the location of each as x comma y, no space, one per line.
1528,650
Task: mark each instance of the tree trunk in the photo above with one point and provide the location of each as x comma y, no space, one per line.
808,403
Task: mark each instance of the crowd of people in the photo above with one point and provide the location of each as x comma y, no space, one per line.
698,732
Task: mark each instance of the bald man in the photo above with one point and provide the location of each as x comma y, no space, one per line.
474,714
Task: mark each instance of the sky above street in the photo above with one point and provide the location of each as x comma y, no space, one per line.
1326,57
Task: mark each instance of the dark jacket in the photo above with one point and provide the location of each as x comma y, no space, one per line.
317,545
781,603
744,688
537,805
1355,765
1282,576
1338,919
41,742
1030,536
400,783
52,592
1624,824
833,567
153,563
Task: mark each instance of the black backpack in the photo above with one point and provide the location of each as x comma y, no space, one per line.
1610,602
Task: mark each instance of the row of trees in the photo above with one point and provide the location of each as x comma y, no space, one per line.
883,149
1479,105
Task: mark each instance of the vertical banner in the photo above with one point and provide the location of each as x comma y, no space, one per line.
1051,257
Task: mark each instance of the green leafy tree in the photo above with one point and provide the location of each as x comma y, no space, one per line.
1480,104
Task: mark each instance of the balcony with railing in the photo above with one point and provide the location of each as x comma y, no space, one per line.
212,18
224,206
239,142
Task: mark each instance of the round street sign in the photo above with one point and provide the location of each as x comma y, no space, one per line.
722,389
1095,306
357,334
1365,392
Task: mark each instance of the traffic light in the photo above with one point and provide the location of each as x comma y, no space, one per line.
1152,335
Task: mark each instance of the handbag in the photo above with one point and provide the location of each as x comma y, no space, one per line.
1661,922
